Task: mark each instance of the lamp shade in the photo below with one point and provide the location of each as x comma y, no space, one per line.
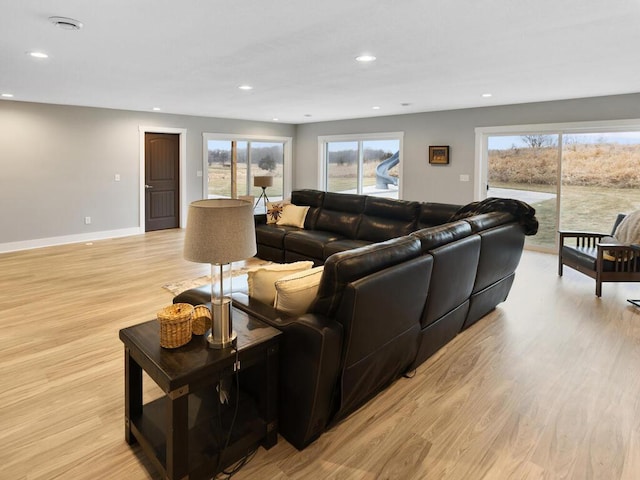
219,231
262,181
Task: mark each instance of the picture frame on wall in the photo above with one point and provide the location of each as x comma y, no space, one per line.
439,154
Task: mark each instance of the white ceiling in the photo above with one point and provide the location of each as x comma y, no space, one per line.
190,56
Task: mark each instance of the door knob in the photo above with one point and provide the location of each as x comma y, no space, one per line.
148,186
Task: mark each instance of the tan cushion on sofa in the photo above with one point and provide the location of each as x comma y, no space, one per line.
261,280
295,292
293,215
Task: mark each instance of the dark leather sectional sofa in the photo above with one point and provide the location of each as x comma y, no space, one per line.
400,280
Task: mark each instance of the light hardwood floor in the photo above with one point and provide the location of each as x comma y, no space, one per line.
545,387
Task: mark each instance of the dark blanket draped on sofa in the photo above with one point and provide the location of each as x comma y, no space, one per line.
523,212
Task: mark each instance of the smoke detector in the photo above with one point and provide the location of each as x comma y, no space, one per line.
66,23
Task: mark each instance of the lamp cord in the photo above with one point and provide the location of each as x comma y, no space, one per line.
249,455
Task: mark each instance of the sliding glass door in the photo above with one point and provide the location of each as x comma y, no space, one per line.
576,179
525,167
231,163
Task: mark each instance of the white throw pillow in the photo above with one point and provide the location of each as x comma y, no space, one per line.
293,215
295,292
274,211
261,280
629,229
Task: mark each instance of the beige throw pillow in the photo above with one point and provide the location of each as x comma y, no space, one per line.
261,280
295,292
293,215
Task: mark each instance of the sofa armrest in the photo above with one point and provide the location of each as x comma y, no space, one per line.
310,353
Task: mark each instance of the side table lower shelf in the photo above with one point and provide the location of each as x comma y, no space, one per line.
208,428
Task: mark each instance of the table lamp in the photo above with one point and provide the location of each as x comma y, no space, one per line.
220,231
263,181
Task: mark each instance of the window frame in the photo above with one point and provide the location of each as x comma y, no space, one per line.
287,153
323,140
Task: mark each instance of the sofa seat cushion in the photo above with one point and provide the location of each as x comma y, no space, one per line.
272,234
342,245
585,257
309,243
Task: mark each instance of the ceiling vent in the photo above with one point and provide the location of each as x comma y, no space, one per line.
66,23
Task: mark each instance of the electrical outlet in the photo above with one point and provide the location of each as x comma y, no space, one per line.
199,173
116,177
464,178
87,220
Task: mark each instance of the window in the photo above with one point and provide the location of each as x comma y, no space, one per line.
365,164
578,177
231,162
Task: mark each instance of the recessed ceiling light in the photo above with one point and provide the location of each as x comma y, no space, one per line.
376,108
7,95
487,95
275,119
245,87
38,55
156,109
364,58
66,23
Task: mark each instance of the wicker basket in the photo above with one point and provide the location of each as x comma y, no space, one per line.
201,320
175,325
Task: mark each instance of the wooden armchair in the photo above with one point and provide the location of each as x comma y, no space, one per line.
599,256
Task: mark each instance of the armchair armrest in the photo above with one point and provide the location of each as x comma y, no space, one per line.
583,239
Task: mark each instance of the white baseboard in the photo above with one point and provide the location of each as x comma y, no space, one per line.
66,239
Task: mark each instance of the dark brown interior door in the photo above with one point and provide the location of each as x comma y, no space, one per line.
162,181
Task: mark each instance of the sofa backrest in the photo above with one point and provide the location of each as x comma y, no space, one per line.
380,317
348,266
502,242
341,213
312,199
386,218
433,237
432,214
455,252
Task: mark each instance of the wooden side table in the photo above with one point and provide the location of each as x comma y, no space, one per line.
185,431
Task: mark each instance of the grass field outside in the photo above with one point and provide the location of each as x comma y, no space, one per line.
599,180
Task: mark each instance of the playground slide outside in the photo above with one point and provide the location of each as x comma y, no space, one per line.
383,179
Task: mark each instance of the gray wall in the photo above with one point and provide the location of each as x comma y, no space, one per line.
58,166
58,162
455,128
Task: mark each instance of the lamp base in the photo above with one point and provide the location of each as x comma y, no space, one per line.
219,343
221,334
